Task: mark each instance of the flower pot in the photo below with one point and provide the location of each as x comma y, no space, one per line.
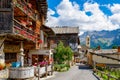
2,66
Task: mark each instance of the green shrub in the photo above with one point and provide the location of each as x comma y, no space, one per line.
62,54
112,72
100,68
61,67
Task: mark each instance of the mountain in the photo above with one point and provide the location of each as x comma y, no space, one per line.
104,39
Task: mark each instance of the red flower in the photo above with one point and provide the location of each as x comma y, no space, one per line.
29,14
25,8
24,23
30,5
40,41
22,32
35,64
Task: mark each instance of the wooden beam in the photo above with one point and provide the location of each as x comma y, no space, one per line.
5,9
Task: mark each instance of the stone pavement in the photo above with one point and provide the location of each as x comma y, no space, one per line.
76,72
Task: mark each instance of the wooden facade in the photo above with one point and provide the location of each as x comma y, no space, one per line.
68,35
45,49
20,20
22,30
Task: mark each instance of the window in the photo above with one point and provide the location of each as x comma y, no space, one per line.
1,17
5,3
10,57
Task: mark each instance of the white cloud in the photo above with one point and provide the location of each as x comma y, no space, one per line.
51,19
115,8
115,18
71,15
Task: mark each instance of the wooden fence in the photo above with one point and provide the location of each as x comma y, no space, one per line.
45,70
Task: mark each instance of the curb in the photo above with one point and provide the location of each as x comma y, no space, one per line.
97,76
48,77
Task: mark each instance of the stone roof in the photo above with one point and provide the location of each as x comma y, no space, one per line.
65,30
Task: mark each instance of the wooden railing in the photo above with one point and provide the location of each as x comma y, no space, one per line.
24,31
23,6
39,71
109,77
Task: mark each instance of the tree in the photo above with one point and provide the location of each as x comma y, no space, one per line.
58,56
62,54
68,53
114,47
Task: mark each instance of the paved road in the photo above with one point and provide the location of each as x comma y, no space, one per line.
78,72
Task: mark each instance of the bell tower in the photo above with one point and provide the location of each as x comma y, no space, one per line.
88,41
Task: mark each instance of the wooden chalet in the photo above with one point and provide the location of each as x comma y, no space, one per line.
21,22
69,37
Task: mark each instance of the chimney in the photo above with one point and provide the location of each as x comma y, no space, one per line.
118,48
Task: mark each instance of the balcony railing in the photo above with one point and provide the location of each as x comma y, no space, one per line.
23,6
24,31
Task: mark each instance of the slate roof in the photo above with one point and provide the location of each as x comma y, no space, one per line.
65,30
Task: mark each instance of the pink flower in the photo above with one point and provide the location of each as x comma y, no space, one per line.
35,64
43,63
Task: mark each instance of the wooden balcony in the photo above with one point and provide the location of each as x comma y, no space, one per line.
23,6
23,31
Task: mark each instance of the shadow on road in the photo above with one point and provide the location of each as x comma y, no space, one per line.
83,66
86,67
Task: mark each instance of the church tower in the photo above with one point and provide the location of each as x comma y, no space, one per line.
88,41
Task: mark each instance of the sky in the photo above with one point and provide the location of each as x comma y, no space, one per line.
88,15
